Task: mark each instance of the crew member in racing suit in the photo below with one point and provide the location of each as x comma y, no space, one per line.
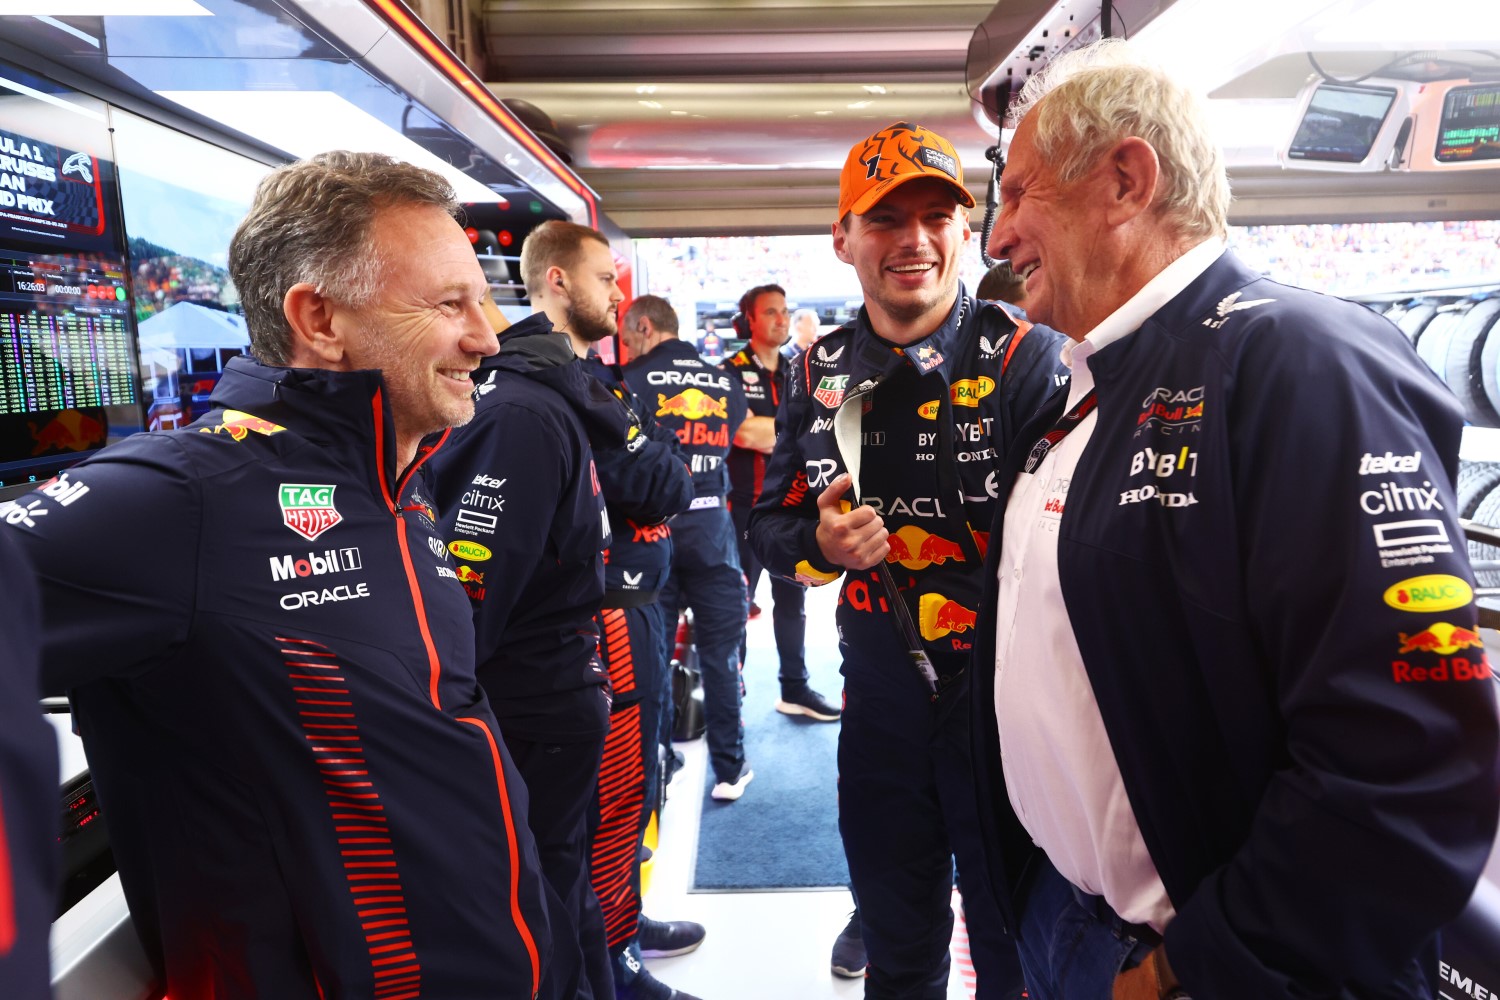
1228,645
703,406
270,659
28,789
892,429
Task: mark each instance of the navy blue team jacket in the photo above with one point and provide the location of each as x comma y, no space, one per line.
1263,567
523,511
645,483
973,381
701,404
271,663
28,788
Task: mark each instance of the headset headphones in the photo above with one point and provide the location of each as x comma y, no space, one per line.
741,326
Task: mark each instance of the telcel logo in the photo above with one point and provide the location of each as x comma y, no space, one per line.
471,551
315,563
1433,592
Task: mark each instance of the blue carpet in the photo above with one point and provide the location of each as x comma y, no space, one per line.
783,833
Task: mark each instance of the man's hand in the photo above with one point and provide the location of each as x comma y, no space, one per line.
854,539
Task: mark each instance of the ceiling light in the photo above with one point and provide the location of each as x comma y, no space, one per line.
651,104
859,104
874,89
105,8
314,121
646,88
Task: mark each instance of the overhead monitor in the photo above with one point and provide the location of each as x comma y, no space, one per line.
1469,129
1344,127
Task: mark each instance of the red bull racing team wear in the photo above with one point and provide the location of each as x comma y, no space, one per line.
28,788
925,426
271,664
747,473
524,517
644,483
703,407
1268,721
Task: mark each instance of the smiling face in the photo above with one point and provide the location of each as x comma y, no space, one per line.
1052,233
905,251
426,329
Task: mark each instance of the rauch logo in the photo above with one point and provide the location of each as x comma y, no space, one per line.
1434,592
472,551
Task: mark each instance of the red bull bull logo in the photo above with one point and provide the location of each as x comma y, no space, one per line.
1441,638
70,430
467,574
692,404
239,425
938,615
916,549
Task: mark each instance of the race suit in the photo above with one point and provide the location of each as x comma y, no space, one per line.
271,664
1268,584
933,419
747,473
703,407
522,510
644,483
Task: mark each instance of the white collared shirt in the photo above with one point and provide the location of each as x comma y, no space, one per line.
1060,769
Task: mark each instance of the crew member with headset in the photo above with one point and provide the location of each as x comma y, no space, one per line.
885,473
703,406
762,374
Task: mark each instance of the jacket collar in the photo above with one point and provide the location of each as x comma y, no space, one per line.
877,359
345,413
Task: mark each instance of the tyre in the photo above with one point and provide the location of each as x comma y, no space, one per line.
1435,339
1414,318
1488,514
1475,481
1465,369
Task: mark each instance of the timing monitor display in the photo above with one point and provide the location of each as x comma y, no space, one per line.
1341,123
68,369
67,363
1470,126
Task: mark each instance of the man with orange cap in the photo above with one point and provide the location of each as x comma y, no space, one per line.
893,427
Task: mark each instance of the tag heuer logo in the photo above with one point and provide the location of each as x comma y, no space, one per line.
830,390
308,510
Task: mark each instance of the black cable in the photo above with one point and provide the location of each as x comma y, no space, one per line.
992,202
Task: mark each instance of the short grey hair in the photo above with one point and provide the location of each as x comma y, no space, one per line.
655,308
1106,92
311,222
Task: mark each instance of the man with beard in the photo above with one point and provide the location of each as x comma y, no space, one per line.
306,789
893,427
521,503
702,405
762,375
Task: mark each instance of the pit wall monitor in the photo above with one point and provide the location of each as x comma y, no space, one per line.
1343,127
68,370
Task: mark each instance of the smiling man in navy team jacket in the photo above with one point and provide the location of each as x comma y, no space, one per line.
269,653
1236,727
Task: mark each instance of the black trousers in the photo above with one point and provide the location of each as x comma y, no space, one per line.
560,778
907,807
788,611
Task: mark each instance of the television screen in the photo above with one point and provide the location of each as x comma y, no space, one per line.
1470,126
68,368
1341,123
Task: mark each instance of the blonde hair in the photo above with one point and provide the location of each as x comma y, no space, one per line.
1105,92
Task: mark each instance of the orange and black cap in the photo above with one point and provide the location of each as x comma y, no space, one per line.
896,154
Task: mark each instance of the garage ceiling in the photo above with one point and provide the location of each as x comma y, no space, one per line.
719,117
